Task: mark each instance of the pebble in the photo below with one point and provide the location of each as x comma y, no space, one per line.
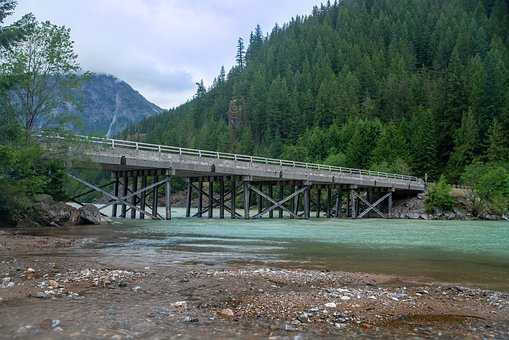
345,298
290,328
330,305
41,295
190,319
179,304
55,323
7,283
30,273
304,317
53,284
227,312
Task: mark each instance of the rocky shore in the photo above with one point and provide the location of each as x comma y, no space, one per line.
45,211
413,208
61,287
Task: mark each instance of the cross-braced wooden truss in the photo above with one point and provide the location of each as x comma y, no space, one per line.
139,192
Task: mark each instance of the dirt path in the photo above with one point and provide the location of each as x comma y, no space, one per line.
55,287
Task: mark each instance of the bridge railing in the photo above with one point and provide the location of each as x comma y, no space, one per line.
117,143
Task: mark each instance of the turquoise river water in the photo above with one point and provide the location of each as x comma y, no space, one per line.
463,252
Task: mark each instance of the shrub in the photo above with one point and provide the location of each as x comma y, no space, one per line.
490,186
25,172
439,196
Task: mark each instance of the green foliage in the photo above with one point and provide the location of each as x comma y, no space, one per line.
466,145
40,66
399,85
439,196
490,186
498,147
24,173
32,57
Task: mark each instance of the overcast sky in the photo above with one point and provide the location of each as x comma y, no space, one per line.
162,47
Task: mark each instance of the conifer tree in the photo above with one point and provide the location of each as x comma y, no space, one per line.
241,53
498,146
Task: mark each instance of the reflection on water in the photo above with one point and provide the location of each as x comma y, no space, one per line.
461,252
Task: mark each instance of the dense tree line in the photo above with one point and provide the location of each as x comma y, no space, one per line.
414,86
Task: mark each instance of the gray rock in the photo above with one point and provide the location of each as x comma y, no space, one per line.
290,328
190,319
48,212
304,317
41,295
89,214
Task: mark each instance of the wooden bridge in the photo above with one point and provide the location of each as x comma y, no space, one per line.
233,184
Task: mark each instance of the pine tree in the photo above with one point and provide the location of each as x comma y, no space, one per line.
498,143
423,136
466,145
200,90
241,53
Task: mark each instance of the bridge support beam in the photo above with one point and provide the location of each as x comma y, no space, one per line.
318,201
247,199
134,199
281,197
155,196
307,202
233,191
143,202
168,195
189,197
353,202
271,195
221,197
200,197
339,203
115,193
211,197
125,186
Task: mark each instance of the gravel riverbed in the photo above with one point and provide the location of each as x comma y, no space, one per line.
54,287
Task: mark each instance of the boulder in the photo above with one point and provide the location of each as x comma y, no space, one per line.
48,212
89,214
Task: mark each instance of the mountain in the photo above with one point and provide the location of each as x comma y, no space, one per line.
409,86
105,105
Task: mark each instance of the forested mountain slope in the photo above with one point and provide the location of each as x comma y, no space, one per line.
413,86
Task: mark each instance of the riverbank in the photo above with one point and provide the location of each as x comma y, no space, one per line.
62,287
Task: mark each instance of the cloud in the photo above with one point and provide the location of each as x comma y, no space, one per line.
161,47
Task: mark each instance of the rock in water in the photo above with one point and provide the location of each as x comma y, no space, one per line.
89,214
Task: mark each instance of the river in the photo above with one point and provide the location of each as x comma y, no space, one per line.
472,253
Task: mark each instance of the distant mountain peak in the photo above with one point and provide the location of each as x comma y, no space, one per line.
106,105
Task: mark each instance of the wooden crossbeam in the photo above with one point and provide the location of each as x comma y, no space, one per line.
89,192
113,197
275,203
213,200
373,206
218,204
134,193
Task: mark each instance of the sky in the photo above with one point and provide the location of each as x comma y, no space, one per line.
162,47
